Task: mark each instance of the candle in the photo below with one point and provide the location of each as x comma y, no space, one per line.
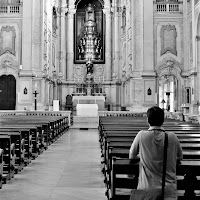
35,85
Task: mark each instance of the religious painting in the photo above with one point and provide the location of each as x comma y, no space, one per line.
89,32
7,40
168,39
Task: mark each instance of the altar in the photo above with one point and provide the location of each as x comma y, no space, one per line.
87,110
99,100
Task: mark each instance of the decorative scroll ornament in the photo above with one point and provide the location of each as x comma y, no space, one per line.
7,63
7,36
168,39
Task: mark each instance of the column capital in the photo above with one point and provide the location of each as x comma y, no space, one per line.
117,10
107,11
71,12
64,9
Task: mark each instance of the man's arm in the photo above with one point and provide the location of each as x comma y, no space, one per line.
134,150
179,150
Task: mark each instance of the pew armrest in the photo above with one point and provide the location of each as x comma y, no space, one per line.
1,152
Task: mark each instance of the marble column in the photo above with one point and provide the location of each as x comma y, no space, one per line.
70,43
193,36
116,39
62,61
108,54
148,36
27,35
185,35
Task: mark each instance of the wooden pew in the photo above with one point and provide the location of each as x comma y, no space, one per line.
16,138
26,135
34,131
52,126
8,157
116,138
1,167
125,173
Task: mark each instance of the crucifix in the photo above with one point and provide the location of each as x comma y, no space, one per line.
35,93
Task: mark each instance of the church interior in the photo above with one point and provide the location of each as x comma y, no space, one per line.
73,71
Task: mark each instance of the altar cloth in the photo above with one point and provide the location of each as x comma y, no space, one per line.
87,110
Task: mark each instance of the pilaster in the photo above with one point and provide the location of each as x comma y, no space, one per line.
62,53
148,36
70,44
117,11
108,45
27,35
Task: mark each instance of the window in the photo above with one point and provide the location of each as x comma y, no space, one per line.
188,95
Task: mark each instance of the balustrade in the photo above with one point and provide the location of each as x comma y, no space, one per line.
167,6
11,9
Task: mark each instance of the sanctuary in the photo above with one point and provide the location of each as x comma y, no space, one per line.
132,54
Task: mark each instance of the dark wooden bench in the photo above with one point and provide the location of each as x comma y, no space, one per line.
8,157
34,131
52,126
26,135
1,167
16,138
125,173
117,136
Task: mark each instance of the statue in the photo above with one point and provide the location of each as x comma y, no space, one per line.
90,43
89,66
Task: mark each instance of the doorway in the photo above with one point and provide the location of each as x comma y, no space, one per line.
7,92
168,93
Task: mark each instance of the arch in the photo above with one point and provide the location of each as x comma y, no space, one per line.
87,2
7,92
169,78
168,92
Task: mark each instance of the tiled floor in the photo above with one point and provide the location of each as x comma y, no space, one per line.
69,170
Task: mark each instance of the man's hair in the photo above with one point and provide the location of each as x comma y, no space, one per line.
155,116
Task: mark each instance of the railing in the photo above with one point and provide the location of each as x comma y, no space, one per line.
10,9
168,7
121,114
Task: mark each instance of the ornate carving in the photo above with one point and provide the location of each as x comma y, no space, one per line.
54,20
99,70
8,65
90,45
80,70
71,13
8,36
89,34
169,67
168,39
107,12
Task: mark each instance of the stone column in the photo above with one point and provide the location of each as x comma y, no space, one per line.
27,35
108,54
116,40
62,56
148,36
193,36
185,35
70,43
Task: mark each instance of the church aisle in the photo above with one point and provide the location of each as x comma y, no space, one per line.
69,170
